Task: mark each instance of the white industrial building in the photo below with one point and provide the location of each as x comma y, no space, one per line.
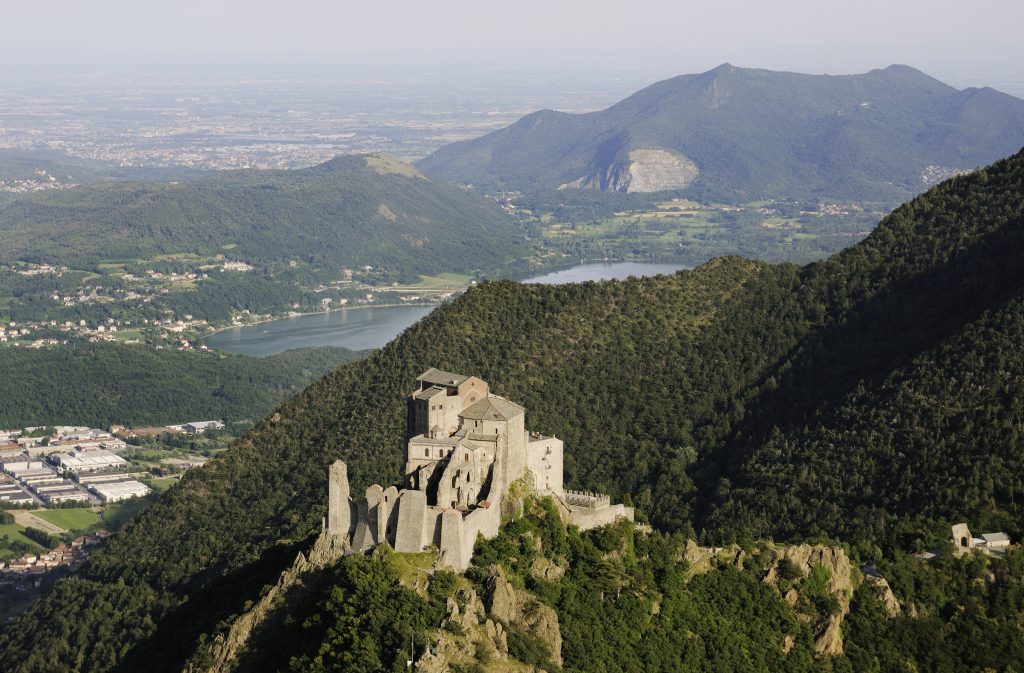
87,461
197,427
117,491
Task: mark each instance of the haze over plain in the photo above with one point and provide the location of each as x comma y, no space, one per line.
941,37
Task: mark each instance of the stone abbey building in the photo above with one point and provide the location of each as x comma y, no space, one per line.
465,448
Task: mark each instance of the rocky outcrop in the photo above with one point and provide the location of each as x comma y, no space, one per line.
829,637
642,170
219,655
889,601
829,641
828,630
545,569
514,606
469,636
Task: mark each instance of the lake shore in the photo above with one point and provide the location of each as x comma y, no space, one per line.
361,330
218,330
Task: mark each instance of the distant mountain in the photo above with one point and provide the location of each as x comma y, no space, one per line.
354,210
872,398
749,134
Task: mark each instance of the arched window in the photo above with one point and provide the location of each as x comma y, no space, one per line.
467,457
963,542
426,453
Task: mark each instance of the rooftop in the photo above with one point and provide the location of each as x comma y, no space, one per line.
427,393
492,408
438,377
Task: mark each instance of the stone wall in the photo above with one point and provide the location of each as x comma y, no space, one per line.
586,518
544,461
412,510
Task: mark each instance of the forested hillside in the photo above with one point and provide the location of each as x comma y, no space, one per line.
618,600
351,211
742,134
100,384
872,397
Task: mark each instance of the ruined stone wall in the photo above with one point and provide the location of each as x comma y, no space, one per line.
409,531
454,552
340,509
484,521
462,483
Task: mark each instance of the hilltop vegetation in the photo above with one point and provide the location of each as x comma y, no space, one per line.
351,211
100,384
740,134
871,398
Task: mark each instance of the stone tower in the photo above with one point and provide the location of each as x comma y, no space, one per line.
339,505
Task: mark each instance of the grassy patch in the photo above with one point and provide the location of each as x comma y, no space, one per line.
413,569
163,483
14,533
128,335
439,283
180,257
72,519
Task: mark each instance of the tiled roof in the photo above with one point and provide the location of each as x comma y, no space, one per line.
492,408
441,378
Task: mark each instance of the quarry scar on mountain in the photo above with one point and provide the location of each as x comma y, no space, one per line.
465,448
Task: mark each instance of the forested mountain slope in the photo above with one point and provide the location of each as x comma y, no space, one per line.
100,384
869,397
351,211
745,134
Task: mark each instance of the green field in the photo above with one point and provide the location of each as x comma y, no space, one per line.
693,233
121,513
444,282
72,519
163,483
14,533
128,335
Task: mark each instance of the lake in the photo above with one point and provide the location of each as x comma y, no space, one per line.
372,327
604,271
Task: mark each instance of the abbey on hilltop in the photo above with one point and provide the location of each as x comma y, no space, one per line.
465,448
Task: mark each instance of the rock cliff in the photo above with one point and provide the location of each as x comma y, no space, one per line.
643,170
475,630
220,654
799,559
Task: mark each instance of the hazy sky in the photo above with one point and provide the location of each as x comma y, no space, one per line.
809,35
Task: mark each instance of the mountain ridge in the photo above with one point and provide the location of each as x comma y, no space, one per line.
755,134
350,211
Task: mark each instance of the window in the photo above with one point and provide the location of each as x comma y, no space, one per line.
426,453
467,457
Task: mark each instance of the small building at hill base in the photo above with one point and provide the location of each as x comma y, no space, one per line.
465,447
